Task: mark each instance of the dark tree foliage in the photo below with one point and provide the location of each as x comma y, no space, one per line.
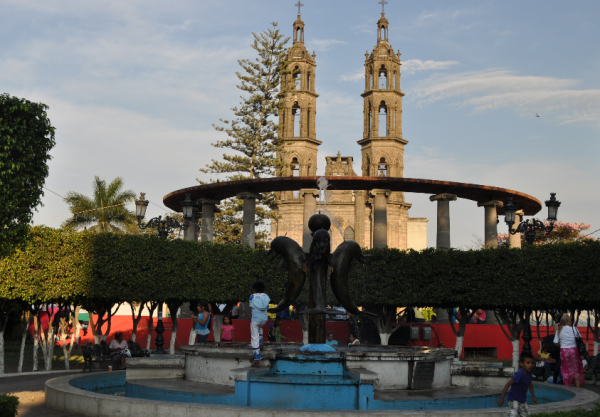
26,138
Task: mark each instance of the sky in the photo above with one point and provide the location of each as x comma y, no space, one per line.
134,88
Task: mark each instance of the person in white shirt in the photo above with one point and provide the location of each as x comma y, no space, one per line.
118,351
571,367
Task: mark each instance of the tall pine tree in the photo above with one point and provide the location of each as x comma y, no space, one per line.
252,134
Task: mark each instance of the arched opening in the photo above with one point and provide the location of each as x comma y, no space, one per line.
308,122
298,36
371,80
349,233
383,33
295,165
394,119
394,81
297,78
382,119
308,81
368,163
382,77
369,121
382,168
296,116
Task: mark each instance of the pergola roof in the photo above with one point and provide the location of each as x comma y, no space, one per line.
475,192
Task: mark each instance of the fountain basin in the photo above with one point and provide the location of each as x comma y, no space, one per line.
396,367
100,394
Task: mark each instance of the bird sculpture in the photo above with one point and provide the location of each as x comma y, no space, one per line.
318,264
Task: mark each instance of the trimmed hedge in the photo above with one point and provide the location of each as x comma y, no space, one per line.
64,265
8,405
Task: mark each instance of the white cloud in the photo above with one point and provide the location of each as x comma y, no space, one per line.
498,89
353,77
416,65
325,44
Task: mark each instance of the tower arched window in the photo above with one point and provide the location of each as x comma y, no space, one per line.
368,164
382,168
297,78
295,165
349,233
308,86
394,81
369,121
382,77
382,120
296,116
371,80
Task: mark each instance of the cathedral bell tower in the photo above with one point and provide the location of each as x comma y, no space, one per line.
297,137
382,146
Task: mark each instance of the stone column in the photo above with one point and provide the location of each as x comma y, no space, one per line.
249,218
491,222
514,241
359,217
191,233
380,218
310,207
443,219
208,218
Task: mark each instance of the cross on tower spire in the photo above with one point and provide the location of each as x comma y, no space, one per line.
382,2
298,5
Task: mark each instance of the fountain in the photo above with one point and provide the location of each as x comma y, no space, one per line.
217,379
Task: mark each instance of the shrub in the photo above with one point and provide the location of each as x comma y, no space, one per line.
8,405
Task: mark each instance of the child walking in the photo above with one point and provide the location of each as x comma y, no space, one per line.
259,304
520,382
227,331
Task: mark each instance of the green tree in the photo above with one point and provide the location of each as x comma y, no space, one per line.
26,138
106,208
253,132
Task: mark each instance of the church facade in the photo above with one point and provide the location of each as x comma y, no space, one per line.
382,152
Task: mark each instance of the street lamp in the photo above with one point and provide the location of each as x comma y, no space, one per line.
187,206
531,226
164,227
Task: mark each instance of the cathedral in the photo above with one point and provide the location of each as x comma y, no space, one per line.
382,151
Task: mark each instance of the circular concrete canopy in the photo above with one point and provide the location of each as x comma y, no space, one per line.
475,192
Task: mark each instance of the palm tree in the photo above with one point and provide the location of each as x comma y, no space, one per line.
106,208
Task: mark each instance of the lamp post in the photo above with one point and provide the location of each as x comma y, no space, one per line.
530,229
164,227
531,226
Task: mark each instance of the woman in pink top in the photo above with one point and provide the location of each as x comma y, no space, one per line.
479,316
227,331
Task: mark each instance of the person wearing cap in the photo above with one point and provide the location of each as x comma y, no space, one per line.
330,340
118,349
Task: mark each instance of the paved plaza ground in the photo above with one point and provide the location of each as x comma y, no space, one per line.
30,390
